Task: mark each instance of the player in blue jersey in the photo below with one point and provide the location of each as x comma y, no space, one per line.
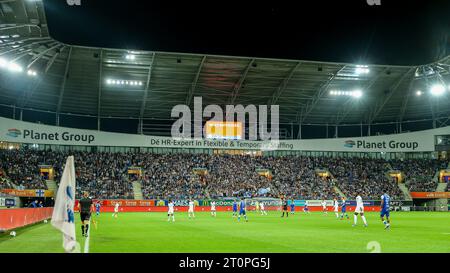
235,207
344,209
385,202
97,208
242,210
292,206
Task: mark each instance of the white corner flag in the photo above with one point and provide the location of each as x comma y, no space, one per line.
63,216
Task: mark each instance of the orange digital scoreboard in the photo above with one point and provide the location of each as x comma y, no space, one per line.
223,130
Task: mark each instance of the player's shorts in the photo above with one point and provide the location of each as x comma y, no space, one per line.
305,209
213,209
191,210
384,212
234,210
344,209
116,210
336,209
285,208
85,216
359,209
324,208
170,211
242,212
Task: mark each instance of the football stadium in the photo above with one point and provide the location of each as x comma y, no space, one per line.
110,150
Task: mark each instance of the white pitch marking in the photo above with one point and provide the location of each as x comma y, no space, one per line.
86,242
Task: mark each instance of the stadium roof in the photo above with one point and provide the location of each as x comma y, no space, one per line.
80,80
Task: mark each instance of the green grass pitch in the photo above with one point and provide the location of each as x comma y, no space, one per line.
315,232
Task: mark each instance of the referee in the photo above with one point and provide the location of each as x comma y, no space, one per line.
285,207
85,206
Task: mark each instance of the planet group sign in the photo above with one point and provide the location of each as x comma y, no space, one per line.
15,131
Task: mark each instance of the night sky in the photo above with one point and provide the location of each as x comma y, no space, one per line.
403,32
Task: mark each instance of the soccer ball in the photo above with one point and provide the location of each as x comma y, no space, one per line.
12,233
45,221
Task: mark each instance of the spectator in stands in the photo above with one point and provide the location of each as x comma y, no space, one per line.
105,175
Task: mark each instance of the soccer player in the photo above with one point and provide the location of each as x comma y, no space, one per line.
116,210
324,206
257,206
242,210
191,209
285,208
336,207
235,207
292,206
385,200
97,208
359,210
171,211
261,206
305,208
344,209
85,206
213,209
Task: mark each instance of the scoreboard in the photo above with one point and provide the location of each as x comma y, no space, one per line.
223,130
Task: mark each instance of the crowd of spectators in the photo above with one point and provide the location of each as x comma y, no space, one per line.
105,176
21,168
419,174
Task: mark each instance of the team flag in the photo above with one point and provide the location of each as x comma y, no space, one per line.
63,216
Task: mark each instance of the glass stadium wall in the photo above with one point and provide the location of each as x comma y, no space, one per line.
162,127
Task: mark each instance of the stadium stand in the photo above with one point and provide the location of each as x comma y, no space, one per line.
420,173
104,175
22,168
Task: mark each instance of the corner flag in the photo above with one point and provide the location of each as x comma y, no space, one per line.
63,216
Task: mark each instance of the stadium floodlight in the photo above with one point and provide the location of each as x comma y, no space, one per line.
31,73
437,89
362,69
123,82
419,93
130,57
357,93
14,67
3,62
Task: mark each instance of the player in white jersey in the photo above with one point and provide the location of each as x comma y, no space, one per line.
261,208
359,210
116,210
191,209
336,207
213,208
170,213
324,206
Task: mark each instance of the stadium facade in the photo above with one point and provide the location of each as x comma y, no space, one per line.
57,96
133,91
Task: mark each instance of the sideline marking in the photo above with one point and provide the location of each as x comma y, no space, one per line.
86,241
